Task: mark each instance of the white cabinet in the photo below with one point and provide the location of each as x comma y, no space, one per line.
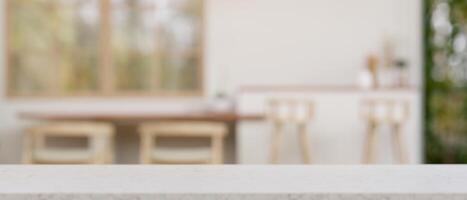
336,132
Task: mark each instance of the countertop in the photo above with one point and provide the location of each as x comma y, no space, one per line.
233,182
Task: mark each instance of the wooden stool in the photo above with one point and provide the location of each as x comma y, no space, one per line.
295,112
377,112
197,155
99,150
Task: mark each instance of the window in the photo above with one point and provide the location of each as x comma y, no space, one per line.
104,47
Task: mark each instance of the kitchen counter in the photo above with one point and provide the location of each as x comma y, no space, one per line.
233,182
336,132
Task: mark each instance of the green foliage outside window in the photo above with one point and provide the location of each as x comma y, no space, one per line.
446,81
56,48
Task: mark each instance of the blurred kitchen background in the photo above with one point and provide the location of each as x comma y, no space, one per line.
233,81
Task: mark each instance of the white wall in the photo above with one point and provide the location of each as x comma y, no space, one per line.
306,41
251,42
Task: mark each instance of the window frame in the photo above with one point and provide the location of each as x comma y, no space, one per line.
106,85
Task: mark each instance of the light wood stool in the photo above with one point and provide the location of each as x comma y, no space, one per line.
99,150
380,111
150,153
290,111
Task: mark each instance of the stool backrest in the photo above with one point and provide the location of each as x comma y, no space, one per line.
185,129
290,110
69,129
385,110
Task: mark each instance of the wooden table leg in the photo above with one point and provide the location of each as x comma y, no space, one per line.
217,150
146,147
27,148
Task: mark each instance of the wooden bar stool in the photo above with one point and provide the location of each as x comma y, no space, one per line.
152,153
297,113
99,149
385,111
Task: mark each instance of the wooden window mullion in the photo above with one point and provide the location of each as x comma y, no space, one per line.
106,71
8,59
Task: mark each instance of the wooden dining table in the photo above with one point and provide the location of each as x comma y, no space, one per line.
127,122
131,117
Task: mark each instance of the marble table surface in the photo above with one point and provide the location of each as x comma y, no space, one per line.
233,182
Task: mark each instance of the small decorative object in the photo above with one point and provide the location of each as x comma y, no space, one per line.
389,53
387,77
387,71
402,73
365,79
221,103
372,64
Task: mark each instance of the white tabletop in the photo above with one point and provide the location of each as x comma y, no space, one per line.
233,179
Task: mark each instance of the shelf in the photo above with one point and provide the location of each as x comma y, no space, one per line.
320,88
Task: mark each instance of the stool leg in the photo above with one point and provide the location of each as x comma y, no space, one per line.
217,150
398,144
109,150
39,141
27,148
98,148
276,140
112,149
145,148
371,139
304,143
